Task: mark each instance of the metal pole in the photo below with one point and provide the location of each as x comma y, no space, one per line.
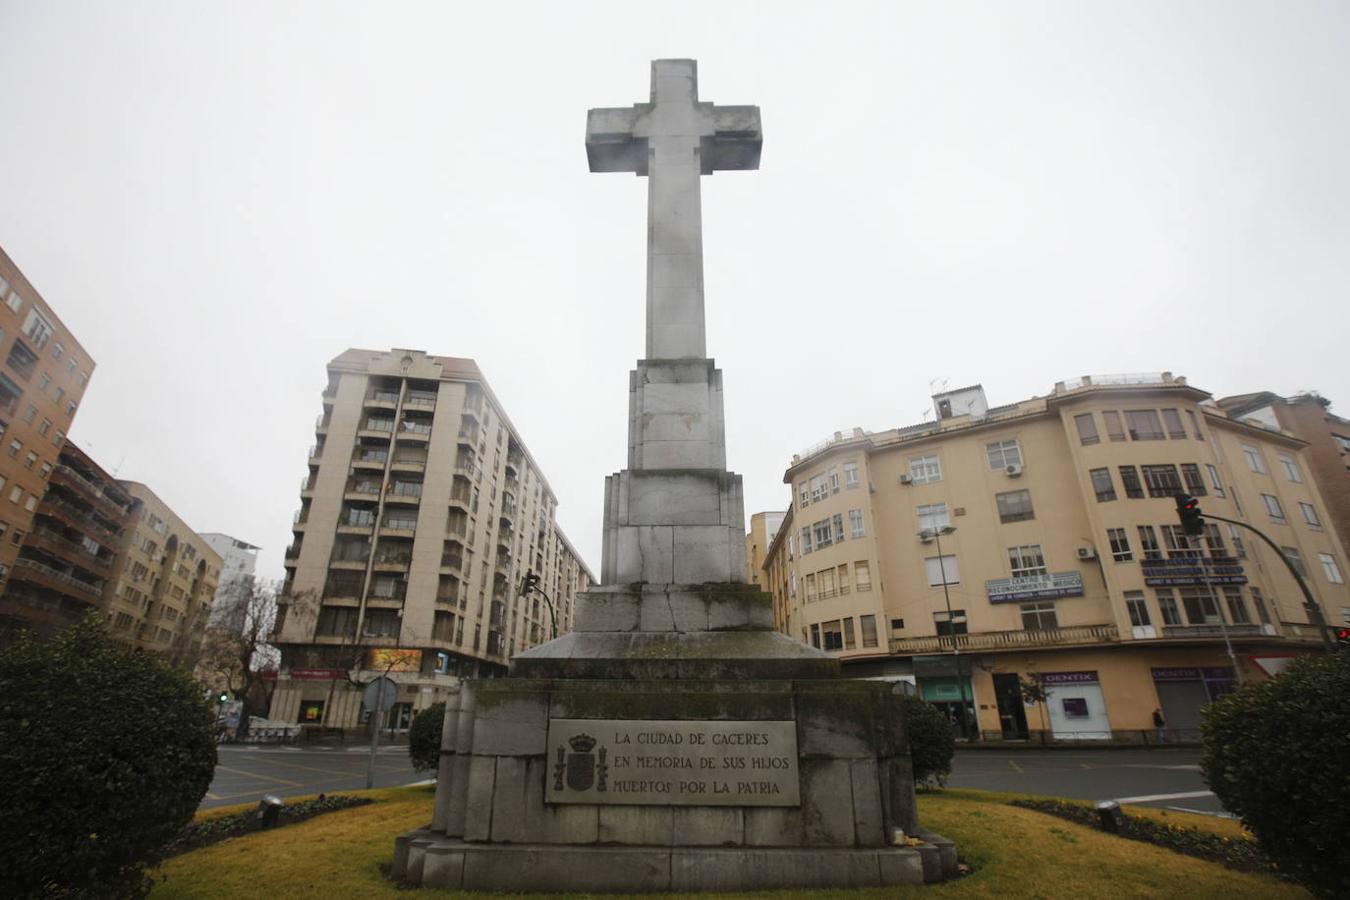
951,628
1214,598
1309,604
376,716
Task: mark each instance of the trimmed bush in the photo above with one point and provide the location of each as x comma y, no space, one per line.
104,756
424,737
931,744
1277,753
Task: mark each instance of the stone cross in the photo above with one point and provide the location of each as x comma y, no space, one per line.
674,140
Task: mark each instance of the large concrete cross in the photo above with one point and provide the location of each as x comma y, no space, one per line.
674,140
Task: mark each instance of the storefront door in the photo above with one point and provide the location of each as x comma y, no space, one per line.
1012,715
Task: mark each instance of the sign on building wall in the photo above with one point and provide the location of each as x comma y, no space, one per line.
1192,571
393,659
1035,587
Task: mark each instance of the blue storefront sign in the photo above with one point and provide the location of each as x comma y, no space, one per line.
1035,587
1192,571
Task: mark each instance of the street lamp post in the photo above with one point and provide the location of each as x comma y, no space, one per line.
935,534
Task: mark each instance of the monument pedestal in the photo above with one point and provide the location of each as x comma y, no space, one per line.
674,741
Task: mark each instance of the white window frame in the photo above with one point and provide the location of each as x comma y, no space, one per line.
851,475
1330,569
1255,461
1022,560
935,569
1215,484
1291,470
855,523
932,516
1009,451
1273,508
925,469
1309,515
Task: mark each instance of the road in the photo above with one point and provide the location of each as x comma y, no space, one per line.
1168,779
245,773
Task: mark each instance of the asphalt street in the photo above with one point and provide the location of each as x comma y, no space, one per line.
1164,778
245,773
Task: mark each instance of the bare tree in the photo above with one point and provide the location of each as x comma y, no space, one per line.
237,654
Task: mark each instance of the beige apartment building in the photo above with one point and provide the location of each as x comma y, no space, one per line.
1038,543
42,381
419,518
159,593
763,527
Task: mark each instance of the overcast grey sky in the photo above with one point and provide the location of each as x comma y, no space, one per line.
218,198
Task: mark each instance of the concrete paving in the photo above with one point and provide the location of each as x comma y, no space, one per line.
245,773
1163,778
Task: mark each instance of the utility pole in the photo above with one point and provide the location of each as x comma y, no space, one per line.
935,534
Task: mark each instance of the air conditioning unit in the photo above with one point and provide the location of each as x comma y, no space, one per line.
905,479
1013,470
926,539
1087,552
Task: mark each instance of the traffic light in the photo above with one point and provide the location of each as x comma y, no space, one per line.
224,697
1342,637
1188,511
531,582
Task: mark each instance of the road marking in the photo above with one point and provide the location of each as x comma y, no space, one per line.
1204,812
256,775
1017,768
1150,798
1143,766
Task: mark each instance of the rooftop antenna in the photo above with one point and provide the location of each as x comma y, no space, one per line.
118,467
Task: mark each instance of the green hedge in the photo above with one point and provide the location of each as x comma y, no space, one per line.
424,737
931,744
1277,753
105,755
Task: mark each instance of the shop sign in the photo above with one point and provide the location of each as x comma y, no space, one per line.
393,659
1035,587
1051,678
1192,571
1214,673
317,674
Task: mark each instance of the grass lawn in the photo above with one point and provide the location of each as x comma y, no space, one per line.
1016,852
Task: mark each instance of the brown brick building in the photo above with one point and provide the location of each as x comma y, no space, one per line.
43,374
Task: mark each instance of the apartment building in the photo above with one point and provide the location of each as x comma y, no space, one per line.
42,380
158,596
763,526
70,550
1038,543
1309,417
238,561
420,515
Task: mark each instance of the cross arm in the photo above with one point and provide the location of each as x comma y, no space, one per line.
611,145
736,139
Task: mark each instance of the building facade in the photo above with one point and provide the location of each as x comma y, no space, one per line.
70,551
238,561
42,381
763,526
1037,544
159,594
1309,417
419,518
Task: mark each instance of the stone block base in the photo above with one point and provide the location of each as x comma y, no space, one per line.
424,858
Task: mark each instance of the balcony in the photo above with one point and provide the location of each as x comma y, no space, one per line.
321,424
77,517
1007,640
406,463
398,527
307,486
315,454
420,400
452,561
382,399
404,492
365,490
73,552
37,573
1210,631
22,360
88,491
393,561
369,459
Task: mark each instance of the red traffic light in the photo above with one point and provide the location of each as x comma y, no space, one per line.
1188,511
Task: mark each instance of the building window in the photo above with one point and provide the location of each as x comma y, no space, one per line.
1291,470
1195,485
855,523
1237,609
15,494
1330,569
30,414
932,516
838,521
1259,600
868,625
1310,516
14,301
803,494
1102,484
1129,479
1003,454
1254,460
1273,507
815,636
851,475
1144,424
31,460
1114,430
1138,609
14,447
843,578
1087,429
1014,506
1195,425
833,475
806,539
1039,616
1120,544
31,503
38,329
1162,481
948,624
1200,605
862,576
1214,538
925,469
820,488
1214,481
1175,430
1148,542
850,642
939,567
832,635
1179,544
821,532
1026,560
1291,554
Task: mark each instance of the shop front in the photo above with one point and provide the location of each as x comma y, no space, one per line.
1183,691
1076,706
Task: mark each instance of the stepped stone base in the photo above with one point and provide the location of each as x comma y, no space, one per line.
426,858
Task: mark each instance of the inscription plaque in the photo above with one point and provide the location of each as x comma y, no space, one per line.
640,762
